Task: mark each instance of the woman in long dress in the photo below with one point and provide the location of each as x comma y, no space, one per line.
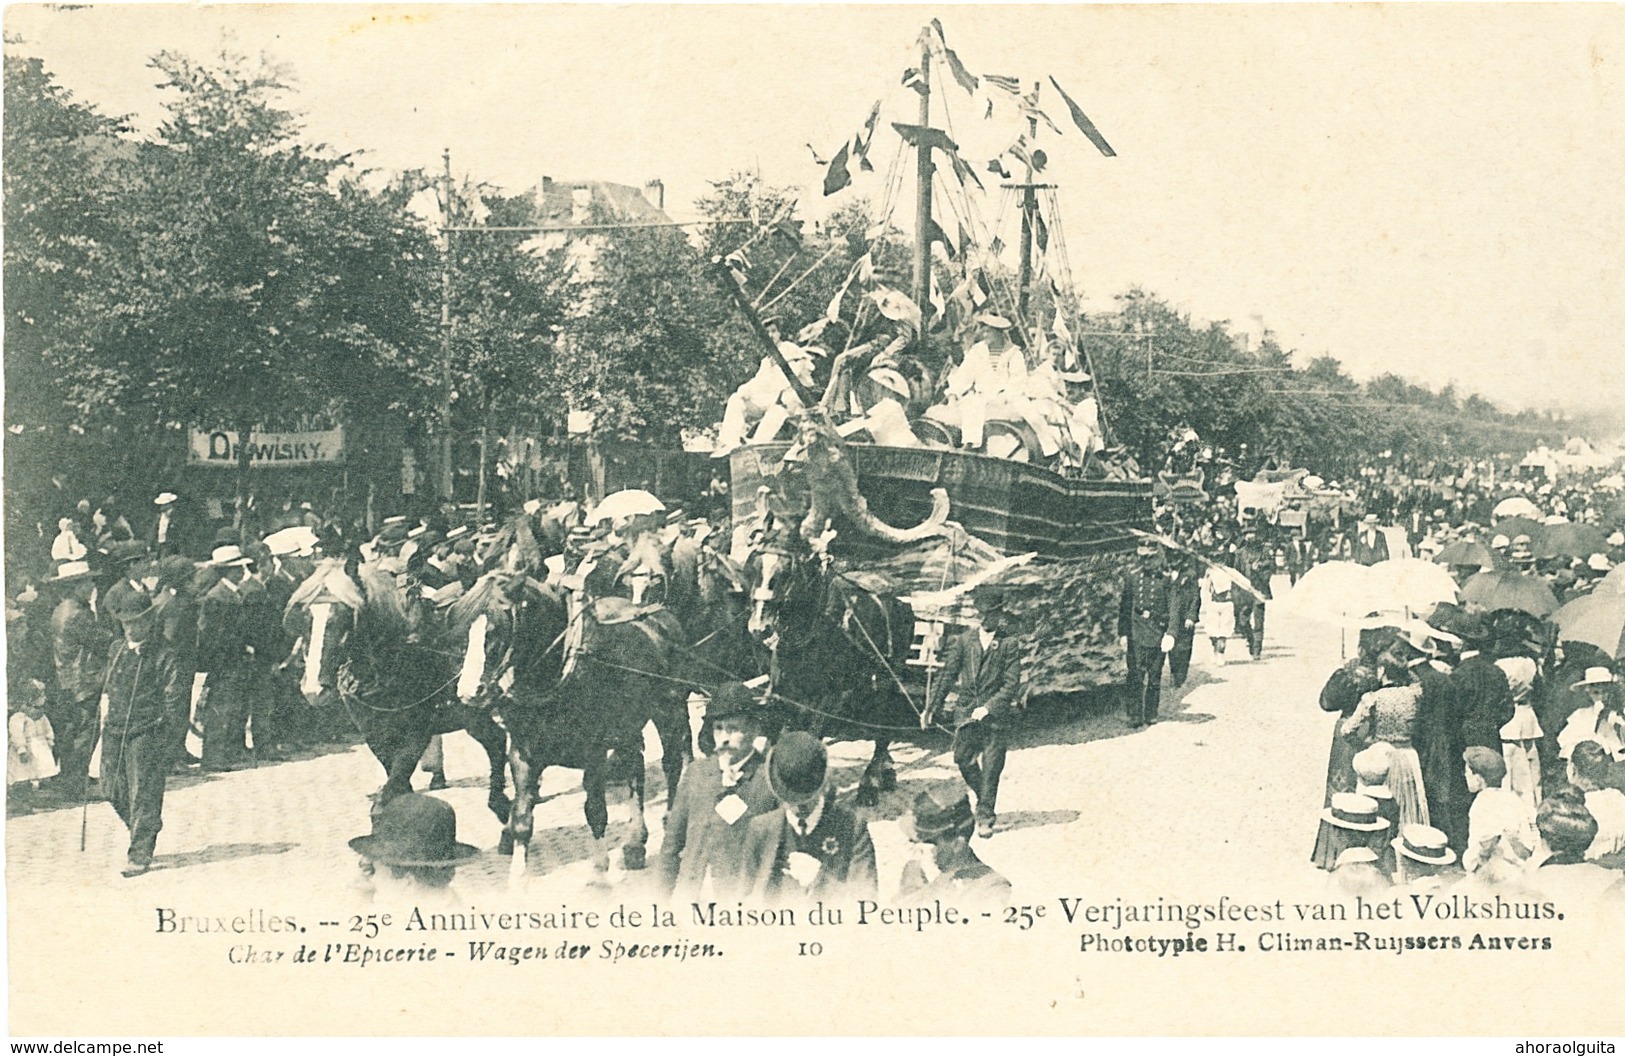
1344,690
1389,714
1521,736
1218,614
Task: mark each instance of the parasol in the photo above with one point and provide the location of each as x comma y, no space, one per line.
1612,583
632,502
1570,540
1517,506
1491,591
1329,593
1513,527
1466,552
1595,618
1408,583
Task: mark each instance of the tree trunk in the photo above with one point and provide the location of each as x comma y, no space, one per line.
485,437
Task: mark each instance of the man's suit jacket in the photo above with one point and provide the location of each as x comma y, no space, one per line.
698,837
840,841
1370,552
1146,610
1186,602
988,678
222,640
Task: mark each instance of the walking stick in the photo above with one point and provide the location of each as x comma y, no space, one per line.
84,811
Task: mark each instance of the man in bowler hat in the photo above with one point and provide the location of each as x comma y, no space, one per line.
943,864
413,850
813,847
709,813
985,668
147,695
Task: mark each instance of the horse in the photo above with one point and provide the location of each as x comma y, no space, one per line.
833,647
610,683
373,650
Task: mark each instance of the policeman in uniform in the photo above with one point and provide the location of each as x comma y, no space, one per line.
1147,621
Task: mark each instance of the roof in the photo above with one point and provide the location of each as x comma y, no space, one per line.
556,202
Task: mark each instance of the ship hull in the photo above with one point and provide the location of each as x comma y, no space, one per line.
1012,506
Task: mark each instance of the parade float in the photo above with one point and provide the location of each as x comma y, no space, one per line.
998,464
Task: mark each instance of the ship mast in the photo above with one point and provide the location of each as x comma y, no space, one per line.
922,196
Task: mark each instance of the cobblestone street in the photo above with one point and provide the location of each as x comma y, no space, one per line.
1084,799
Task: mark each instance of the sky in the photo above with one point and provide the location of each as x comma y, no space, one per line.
1434,190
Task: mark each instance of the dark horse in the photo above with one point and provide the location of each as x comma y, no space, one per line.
577,699
379,654
835,648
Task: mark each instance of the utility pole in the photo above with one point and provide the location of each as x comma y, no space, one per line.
445,488
922,201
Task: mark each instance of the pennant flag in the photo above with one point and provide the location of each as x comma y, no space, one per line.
833,312
964,172
1040,159
935,233
1061,329
989,115
865,139
997,167
866,268
1040,231
964,77
816,159
1006,84
925,136
1029,109
837,176
1086,126
911,79
979,294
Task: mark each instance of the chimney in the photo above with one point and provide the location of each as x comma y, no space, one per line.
654,192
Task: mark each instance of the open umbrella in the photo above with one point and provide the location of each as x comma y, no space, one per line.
1466,552
1595,618
1491,591
1612,583
1517,506
629,503
1407,583
1570,540
1332,592
1513,527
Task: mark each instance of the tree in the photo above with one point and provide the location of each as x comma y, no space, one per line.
59,189
261,279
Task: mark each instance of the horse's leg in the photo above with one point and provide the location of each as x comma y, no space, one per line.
521,814
406,749
596,808
484,729
634,853
671,725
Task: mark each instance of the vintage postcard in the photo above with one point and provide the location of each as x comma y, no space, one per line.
1028,520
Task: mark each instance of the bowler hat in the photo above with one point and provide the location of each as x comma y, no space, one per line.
797,767
732,699
939,814
414,830
126,602
126,551
988,598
